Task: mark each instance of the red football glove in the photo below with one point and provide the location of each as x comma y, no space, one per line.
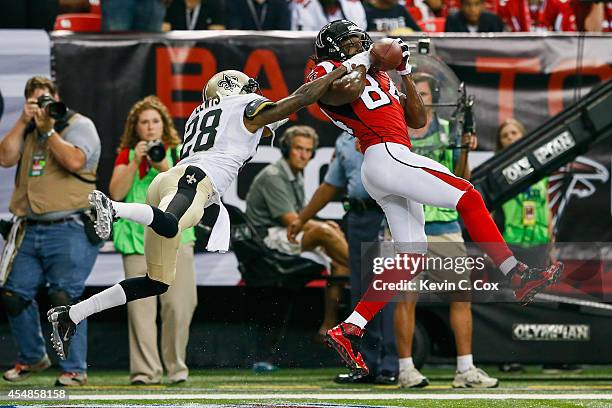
404,68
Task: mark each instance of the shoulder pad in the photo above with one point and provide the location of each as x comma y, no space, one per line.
254,107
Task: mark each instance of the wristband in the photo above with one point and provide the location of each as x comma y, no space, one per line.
47,135
406,71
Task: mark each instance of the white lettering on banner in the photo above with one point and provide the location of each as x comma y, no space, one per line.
517,170
551,332
555,147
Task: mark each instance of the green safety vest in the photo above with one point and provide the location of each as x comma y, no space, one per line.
526,216
434,146
128,236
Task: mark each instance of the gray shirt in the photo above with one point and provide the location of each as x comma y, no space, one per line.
83,134
275,191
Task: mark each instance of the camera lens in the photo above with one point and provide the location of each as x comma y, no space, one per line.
56,110
156,150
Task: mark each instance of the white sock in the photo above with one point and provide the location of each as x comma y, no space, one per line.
111,297
464,363
140,213
508,264
357,319
406,363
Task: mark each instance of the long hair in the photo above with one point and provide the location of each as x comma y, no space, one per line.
509,121
130,137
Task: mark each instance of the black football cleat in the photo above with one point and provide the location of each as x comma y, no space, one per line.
528,282
63,330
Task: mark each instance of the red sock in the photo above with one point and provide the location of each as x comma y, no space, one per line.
481,227
375,299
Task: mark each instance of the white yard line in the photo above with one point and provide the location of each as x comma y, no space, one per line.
332,397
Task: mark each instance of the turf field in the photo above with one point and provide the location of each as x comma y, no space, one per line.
314,388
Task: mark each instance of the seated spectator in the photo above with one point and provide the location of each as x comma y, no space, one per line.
258,15
515,14
195,15
431,8
273,202
471,18
133,15
388,16
313,15
572,15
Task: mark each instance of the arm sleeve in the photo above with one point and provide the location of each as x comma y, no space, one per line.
316,73
253,108
83,134
336,176
123,157
277,198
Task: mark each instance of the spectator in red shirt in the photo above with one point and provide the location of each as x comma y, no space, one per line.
429,9
515,14
572,15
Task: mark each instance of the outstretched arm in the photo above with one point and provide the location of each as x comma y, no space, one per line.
346,89
305,95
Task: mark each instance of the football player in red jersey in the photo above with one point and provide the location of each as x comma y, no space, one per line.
369,106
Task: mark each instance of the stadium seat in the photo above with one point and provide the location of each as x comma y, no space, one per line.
435,25
79,22
261,266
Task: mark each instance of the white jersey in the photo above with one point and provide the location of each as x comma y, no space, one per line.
217,141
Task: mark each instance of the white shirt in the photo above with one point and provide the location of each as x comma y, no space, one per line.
308,15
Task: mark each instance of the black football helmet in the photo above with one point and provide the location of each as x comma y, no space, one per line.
327,44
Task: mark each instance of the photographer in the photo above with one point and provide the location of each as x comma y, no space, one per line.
56,152
149,145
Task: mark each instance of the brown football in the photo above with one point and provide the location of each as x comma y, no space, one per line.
386,55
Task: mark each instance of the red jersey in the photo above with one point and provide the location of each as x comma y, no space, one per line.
376,117
515,14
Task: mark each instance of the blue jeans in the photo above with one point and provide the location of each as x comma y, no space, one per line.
58,257
133,15
378,344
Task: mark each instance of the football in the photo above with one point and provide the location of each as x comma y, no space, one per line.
386,55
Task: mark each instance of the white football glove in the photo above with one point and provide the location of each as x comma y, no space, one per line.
404,68
363,58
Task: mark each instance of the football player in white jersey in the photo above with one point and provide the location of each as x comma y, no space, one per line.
220,136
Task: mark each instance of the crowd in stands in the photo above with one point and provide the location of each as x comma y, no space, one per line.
398,17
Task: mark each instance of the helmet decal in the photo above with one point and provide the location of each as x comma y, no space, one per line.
228,82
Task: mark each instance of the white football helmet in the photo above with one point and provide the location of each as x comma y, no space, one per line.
229,83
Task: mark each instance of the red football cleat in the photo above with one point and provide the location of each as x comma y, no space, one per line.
345,339
528,282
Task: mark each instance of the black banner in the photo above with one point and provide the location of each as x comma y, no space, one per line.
530,77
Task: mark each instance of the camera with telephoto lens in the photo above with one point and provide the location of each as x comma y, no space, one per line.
55,109
156,150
